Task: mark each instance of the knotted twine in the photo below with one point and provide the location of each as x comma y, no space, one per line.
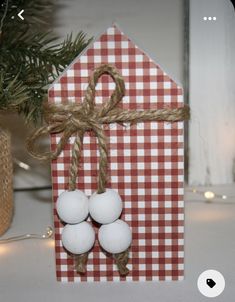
75,119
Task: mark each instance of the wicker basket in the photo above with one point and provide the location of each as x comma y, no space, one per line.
6,186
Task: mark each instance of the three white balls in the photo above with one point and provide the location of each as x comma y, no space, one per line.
78,238
105,207
72,206
115,237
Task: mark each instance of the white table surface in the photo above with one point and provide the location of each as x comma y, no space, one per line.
27,268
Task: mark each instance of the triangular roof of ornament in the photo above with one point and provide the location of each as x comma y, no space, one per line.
116,48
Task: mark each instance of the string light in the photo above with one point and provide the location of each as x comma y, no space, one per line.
48,234
209,195
21,164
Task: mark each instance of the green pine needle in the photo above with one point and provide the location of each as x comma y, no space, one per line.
30,58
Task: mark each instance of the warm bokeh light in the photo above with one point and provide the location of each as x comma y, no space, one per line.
209,195
50,243
4,249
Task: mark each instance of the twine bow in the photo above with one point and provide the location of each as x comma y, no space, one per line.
75,119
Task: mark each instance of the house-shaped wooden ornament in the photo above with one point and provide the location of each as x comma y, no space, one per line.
145,162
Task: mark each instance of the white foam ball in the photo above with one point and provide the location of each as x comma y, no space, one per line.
72,206
78,238
115,237
105,207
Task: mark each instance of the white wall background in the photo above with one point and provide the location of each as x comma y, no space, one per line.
155,25
212,92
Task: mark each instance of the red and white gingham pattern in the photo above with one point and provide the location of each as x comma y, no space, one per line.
146,163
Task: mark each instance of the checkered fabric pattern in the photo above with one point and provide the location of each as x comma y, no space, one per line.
145,163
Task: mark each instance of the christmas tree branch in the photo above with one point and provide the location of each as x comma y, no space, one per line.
30,58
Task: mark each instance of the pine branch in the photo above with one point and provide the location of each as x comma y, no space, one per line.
13,95
31,59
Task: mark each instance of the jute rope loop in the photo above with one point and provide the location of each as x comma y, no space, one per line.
75,119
